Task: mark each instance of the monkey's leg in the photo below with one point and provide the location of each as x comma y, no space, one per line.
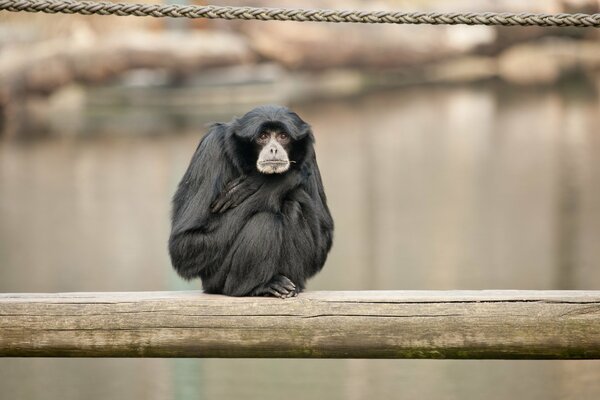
253,262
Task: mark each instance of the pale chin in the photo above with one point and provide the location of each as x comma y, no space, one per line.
273,167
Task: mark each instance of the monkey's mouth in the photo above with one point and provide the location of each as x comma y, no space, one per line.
273,166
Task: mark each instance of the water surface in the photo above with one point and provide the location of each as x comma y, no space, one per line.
485,187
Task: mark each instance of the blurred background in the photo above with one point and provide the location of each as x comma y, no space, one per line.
453,158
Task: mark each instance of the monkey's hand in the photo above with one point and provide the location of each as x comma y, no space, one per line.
234,194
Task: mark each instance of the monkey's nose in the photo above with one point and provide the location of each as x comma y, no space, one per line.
273,150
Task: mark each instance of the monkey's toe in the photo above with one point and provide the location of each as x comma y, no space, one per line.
284,281
280,286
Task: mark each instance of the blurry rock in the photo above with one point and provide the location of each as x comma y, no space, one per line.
184,51
464,69
466,38
525,64
545,62
66,109
317,46
321,46
582,6
45,78
48,65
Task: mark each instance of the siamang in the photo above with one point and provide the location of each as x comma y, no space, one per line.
250,216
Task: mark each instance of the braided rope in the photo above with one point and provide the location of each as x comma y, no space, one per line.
301,15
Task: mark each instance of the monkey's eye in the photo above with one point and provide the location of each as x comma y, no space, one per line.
263,136
283,136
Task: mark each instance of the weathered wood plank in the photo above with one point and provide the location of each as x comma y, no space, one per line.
365,324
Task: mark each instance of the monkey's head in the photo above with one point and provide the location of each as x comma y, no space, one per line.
272,138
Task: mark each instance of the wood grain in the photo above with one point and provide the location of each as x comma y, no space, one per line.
365,324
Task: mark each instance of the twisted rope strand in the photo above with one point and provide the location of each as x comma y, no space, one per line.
300,15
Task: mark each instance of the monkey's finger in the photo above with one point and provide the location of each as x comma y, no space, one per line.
228,204
223,205
241,195
281,289
217,204
233,191
237,201
234,185
237,198
287,281
236,182
230,190
274,292
289,286
220,209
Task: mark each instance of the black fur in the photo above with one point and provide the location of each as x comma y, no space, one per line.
239,230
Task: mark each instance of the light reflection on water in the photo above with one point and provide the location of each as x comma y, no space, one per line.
431,188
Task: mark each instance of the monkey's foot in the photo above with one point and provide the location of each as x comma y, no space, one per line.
280,286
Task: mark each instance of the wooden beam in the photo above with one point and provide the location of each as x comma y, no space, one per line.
365,324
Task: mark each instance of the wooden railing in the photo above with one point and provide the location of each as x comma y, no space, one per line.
364,324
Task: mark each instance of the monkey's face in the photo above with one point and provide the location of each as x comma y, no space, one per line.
273,149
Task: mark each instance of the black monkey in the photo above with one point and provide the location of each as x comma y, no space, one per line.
250,216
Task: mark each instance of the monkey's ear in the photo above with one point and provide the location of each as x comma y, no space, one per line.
233,126
238,127
306,132
302,129
237,145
